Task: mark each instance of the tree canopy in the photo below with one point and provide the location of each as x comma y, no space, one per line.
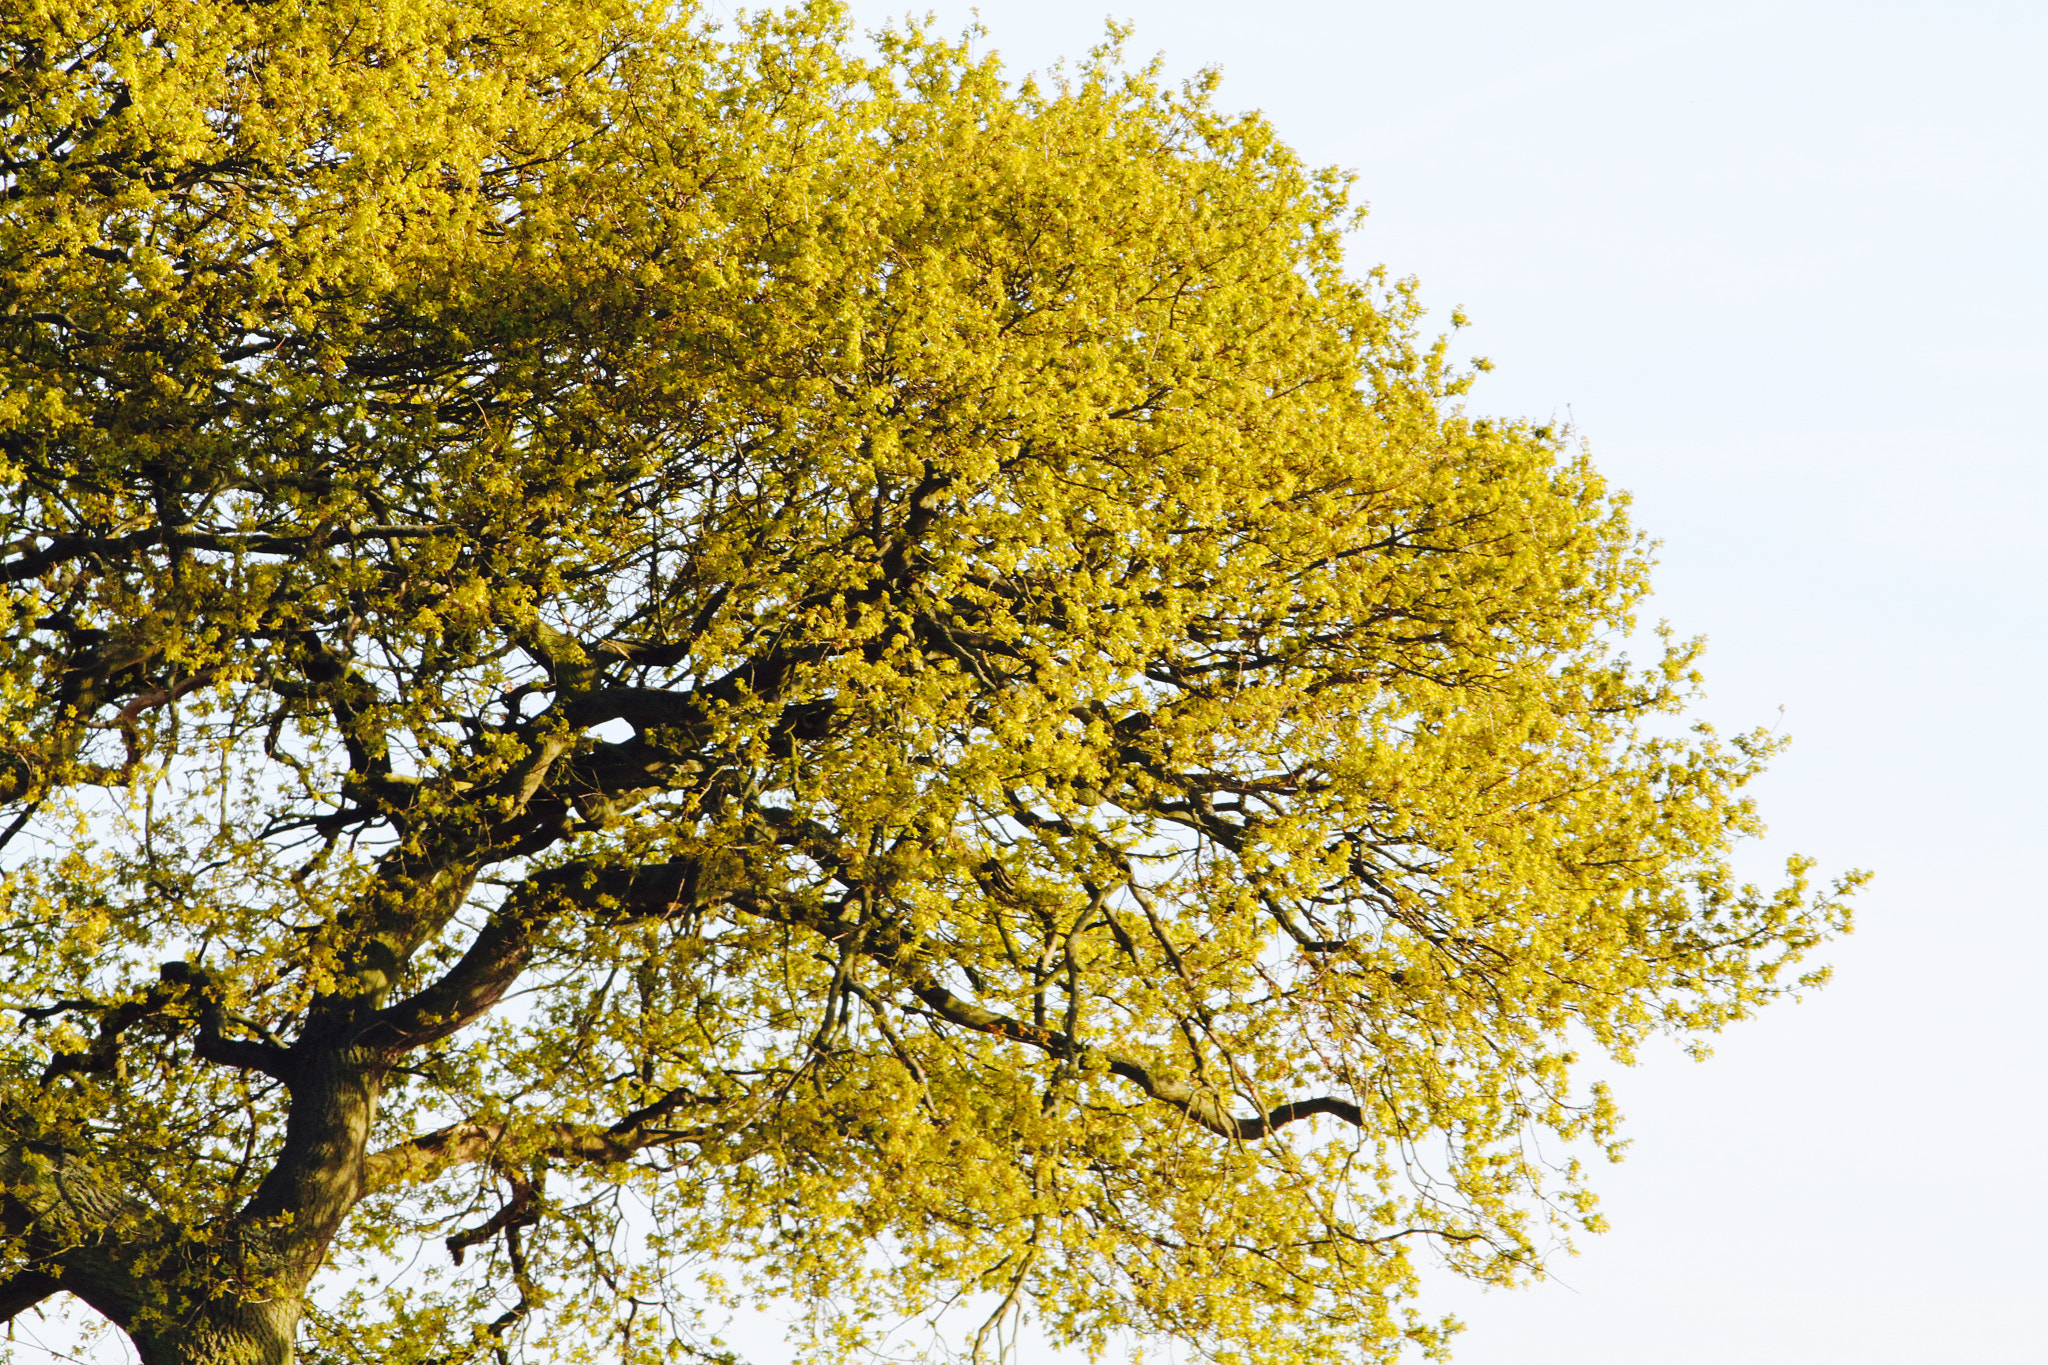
650,662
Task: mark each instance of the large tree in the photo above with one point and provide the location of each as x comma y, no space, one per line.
642,652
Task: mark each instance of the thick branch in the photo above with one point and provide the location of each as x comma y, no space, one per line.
241,1053
180,984
75,1226
34,562
519,1212
641,707
429,1155
463,994
210,1045
24,1290
502,948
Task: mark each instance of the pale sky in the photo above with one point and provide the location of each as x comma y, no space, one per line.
1785,266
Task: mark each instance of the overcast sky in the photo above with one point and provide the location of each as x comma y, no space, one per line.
1785,266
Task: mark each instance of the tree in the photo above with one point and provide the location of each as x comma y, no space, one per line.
630,641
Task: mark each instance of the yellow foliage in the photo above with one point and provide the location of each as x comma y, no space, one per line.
630,641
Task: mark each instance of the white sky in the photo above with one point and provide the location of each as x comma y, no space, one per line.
1786,267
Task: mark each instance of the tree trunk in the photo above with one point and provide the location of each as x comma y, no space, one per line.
229,1330
231,1293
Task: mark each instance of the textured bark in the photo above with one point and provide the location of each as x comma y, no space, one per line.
227,1330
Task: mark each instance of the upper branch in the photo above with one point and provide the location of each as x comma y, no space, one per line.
501,950
180,987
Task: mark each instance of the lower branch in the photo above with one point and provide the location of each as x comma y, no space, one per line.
24,1290
430,1154
519,1212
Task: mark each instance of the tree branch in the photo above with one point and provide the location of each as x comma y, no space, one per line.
463,994
1205,1106
888,945
180,984
430,1154
502,948
519,1212
23,1290
266,1056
